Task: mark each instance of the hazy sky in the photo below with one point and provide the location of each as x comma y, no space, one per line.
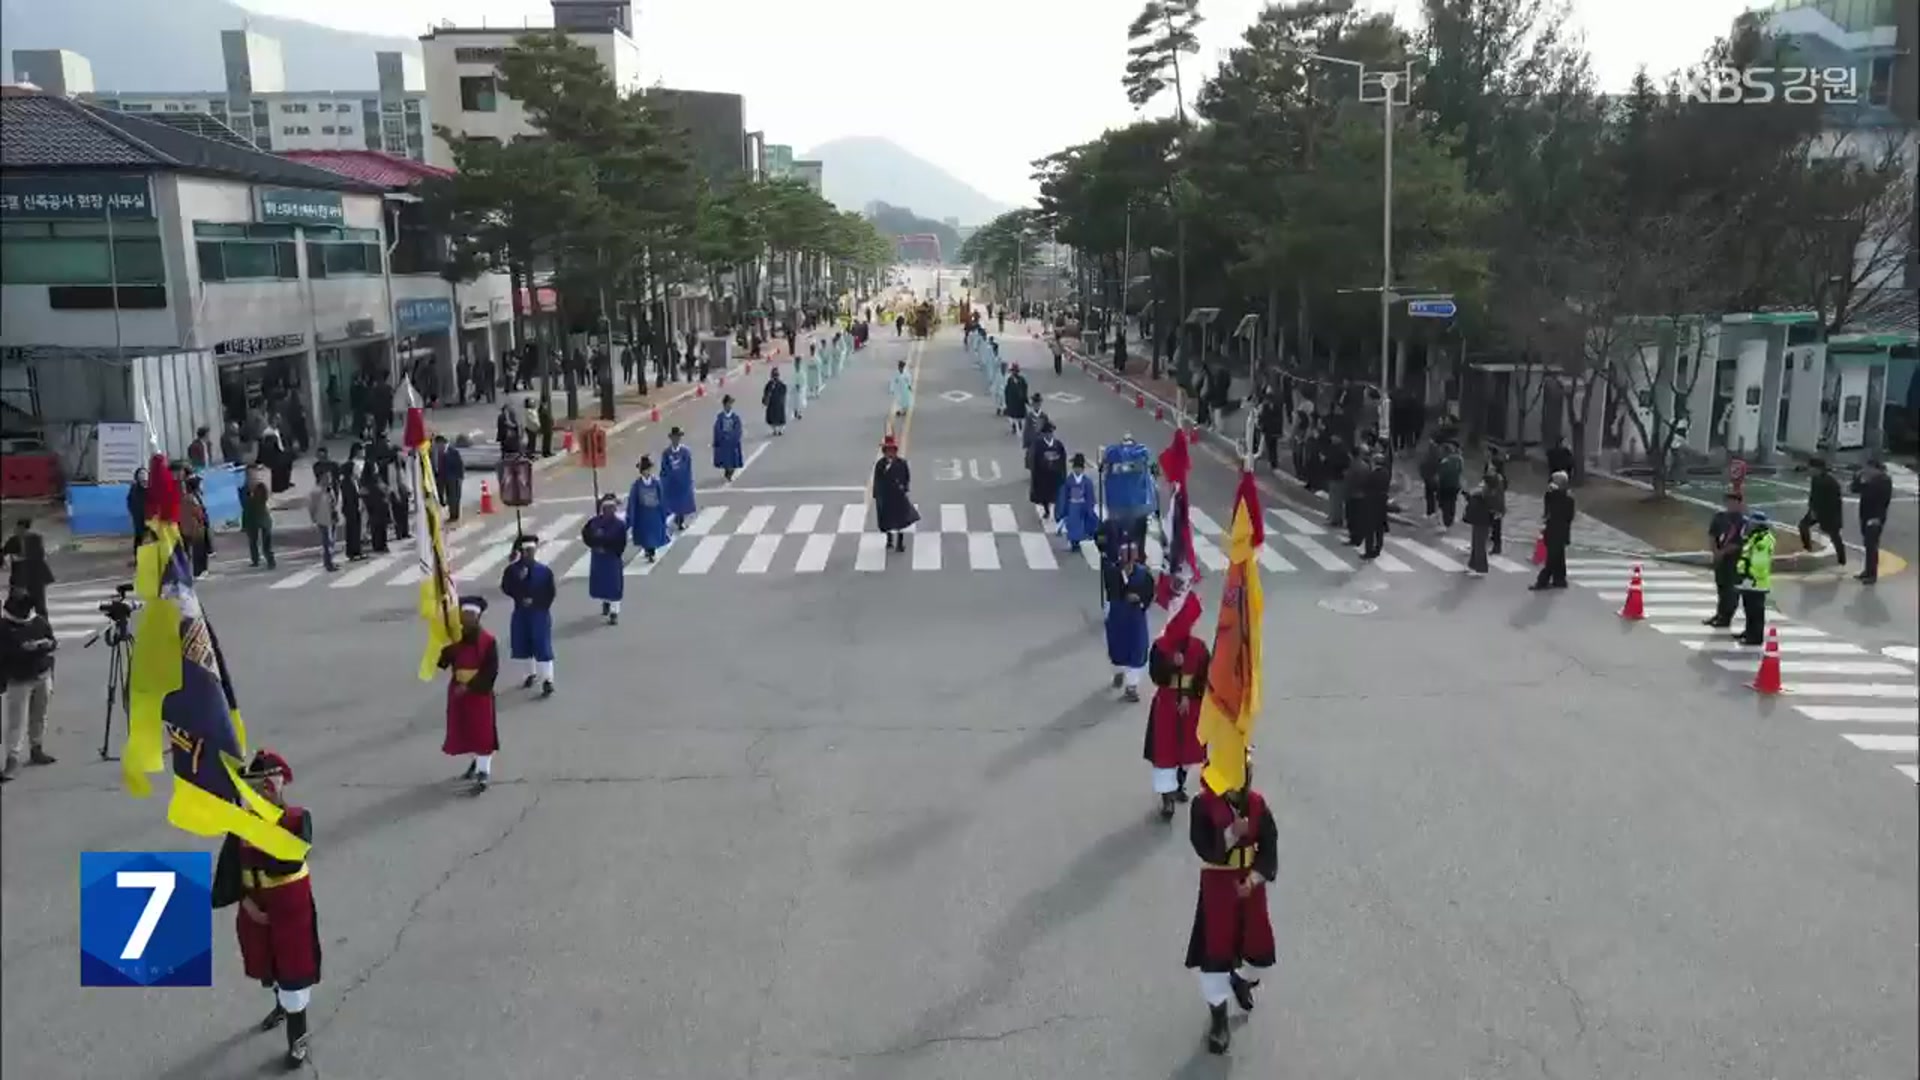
980,88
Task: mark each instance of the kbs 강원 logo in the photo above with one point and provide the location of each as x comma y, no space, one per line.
146,918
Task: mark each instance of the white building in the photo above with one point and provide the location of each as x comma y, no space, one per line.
463,78
154,275
392,117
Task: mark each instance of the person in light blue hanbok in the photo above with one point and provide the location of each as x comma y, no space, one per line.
676,478
901,387
1077,509
605,538
997,388
647,510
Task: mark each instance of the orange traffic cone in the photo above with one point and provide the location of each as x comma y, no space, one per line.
749,369
486,498
653,415
1117,388
1767,679
1635,608
700,390
1139,401
1540,549
723,380
1159,413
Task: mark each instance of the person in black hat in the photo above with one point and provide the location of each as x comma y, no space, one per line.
277,925
1077,506
1825,508
647,510
676,478
474,664
728,433
1046,470
530,584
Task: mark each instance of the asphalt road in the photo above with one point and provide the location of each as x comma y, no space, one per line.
892,824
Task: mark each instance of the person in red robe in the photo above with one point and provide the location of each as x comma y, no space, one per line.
277,924
474,663
1178,667
1232,939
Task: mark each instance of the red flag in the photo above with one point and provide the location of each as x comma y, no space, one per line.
1176,461
163,492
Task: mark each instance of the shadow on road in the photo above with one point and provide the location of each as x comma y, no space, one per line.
1053,738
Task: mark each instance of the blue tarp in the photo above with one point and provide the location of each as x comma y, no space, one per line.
101,509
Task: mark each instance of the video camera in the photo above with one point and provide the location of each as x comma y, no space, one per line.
120,608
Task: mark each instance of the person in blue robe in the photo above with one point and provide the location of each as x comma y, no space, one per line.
676,478
1076,509
530,584
728,456
605,538
647,509
1130,586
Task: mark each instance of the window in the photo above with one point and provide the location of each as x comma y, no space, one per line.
294,107
326,129
245,252
342,252
412,106
288,130
346,129
478,93
75,253
1880,81
171,106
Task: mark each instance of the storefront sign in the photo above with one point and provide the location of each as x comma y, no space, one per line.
120,450
126,198
472,317
257,346
429,315
291,206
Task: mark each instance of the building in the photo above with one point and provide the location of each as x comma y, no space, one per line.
918,248
779,161
1874,39
812,174
56,71
256,103
715,127
463,77
153,275
449,326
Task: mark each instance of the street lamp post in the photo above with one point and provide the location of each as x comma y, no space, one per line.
1387,88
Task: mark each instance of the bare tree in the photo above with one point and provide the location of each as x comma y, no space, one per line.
1851,233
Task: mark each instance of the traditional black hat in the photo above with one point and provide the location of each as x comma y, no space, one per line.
477,603
676,433
527,540
727,400
1080,460
646,462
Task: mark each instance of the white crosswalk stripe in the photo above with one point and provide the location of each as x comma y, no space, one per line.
804,518
815,553
706,552
982,552
755,521
705,520
1856,714
853,519
926,551
953,518
1038,551
1426,554
1298,522
872,555
760,553
1322,558
1000,518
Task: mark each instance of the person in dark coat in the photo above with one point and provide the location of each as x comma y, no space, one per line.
1557,524
1824,508
1373,507
1479,518
545,415
774,397
1355,484
28,572
1875,489
1046,470
1723,540
137,508
506,431
449,475
256,520
1015,398
893,505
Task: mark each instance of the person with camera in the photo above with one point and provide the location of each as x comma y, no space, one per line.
26,661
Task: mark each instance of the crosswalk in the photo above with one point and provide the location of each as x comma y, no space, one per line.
74,611
1873,702
817,538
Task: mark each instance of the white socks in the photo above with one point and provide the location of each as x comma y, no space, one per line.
294,1000
483,764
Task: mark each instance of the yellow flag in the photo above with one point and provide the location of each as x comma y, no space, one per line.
1232,704
439,601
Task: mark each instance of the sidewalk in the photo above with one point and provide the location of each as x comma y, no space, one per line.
77,557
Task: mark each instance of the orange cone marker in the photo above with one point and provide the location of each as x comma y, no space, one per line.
749,368
1540,549
700,390
486,498
1635,608
1139,401
566,441
1767,679
653,415
1159,413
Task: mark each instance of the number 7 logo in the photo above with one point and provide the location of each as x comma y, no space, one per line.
146,918
161,882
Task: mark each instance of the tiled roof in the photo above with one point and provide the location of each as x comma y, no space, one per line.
48,132
384,170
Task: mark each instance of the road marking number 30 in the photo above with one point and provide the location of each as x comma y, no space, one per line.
161,882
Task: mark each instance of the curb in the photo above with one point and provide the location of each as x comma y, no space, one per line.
1821,556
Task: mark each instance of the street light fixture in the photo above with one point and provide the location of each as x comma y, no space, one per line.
1388,88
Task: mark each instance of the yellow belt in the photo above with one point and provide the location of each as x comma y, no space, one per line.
1237,860
1183,682
260,879
464,676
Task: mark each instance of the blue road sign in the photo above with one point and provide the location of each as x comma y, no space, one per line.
1432,309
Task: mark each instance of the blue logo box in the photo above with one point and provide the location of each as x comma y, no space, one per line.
146,918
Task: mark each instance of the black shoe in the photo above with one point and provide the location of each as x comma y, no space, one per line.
1243,990
40,757
527,683
1750,641
1132,693
473,770
613,618
274,1019
480,782
606,608
1538,586
1218,1036
1715,623
546,688
296,1039
1118,680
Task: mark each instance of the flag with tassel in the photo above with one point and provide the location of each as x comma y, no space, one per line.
439,599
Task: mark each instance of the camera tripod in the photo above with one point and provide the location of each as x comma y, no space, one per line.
119,638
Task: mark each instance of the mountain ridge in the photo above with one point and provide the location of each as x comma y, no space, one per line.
862,169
